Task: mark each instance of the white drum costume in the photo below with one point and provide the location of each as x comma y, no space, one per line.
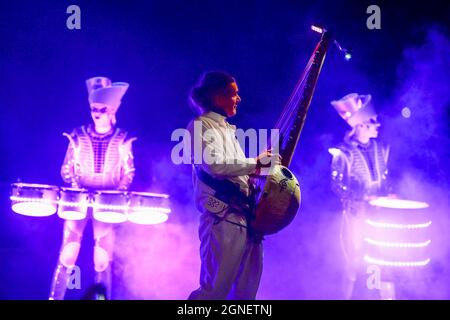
358,172
94,161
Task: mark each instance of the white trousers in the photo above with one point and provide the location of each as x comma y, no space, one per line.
231,259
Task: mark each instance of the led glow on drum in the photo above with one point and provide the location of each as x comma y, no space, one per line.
387,225
420,263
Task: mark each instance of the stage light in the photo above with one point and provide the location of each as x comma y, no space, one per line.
406,112
347,56
317,29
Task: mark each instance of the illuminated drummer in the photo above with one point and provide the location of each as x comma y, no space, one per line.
358,173
99,156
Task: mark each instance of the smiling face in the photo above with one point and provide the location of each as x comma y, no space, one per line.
101,116
228,100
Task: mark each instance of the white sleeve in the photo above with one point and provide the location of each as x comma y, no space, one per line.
214,159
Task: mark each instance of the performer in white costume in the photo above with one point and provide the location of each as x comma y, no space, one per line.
359,173
231,254
99,157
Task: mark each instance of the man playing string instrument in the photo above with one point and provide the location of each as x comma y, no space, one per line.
231,255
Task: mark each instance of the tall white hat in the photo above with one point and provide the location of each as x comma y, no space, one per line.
102,90
354,108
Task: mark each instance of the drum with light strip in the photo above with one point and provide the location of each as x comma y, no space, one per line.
110,206
36,200
397,233
148,208
73,203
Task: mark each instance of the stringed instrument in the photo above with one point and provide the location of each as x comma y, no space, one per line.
279,199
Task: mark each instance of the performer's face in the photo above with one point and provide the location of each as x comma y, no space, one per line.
100,115
229,100
370,128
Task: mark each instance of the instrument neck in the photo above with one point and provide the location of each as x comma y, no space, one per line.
293,117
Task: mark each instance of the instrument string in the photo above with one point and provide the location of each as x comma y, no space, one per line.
286,119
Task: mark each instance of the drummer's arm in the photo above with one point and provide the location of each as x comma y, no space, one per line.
386,187
337,174
340,180
68,168
128,169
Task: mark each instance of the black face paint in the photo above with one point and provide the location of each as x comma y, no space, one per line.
99,110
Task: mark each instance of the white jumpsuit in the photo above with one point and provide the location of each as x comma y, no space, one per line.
92,161
231,256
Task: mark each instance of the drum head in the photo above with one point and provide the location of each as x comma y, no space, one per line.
149,216
68,214
110,216
34,209
393,203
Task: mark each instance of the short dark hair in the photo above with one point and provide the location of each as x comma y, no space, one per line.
211,83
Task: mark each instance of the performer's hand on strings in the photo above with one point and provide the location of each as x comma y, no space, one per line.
267,159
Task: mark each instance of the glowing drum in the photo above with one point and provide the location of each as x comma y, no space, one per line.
148,208
110,206
36,200
397,233
73,204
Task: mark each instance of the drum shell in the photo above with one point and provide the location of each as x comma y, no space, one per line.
73,204
139,200
110,206
28,199
148,208
398,234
